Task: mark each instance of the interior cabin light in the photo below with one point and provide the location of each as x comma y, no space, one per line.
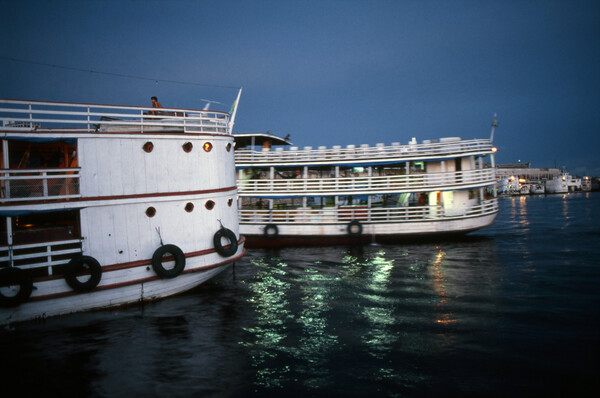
207,146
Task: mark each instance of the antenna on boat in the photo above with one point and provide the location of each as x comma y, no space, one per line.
233,110
494,125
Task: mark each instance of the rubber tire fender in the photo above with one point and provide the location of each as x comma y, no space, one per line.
225,233
157,261
15,276
352,226
76,265
271,231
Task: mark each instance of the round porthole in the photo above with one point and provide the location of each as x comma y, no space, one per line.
229,202
189,207
210,205
207,147
148,147
187,147
150,211
228,147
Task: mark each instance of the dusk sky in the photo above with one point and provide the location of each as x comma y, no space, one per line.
330,72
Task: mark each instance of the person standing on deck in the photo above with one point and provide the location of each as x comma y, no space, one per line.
155,104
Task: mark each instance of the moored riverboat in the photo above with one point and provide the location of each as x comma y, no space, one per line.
107,205
360,194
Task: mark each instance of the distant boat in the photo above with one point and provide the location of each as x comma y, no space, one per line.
105,205
537,188
563,184
382,193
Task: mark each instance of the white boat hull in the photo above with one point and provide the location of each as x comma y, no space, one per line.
319,234
121,284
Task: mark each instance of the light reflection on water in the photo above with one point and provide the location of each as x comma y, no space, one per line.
511,309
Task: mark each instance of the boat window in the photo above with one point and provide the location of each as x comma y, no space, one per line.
3,236
319,202
189,207
321,172
187,147
207,147
34,155
418,167
287,203
209,205
148,147
288,172
254,203
45,227
150,211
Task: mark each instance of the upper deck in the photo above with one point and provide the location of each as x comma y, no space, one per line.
71,119
444,148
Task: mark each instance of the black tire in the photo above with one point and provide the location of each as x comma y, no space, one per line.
157,259
75,268
271,231
225,233
354,228
15,276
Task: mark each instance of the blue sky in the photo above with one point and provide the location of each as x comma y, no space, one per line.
330,72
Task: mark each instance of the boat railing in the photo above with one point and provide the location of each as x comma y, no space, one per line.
249,157
366,184
343,215
18,115
38,184
40,255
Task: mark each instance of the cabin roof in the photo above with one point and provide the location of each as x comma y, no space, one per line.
244,140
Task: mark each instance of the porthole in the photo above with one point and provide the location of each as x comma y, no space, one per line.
229,202
207,147
228,147
148,147
189,207
187,147
210,205
150,211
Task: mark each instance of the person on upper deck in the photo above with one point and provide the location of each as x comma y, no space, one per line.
155,104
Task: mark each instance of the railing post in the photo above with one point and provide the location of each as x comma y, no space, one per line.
44,184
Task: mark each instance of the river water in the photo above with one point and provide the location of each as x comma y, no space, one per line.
513,309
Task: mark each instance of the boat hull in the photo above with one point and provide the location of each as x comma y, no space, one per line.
298,234
121,284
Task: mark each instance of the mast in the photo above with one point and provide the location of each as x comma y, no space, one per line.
494,125
233,110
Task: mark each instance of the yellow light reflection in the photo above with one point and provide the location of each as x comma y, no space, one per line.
439,286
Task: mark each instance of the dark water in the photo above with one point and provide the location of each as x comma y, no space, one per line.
513,310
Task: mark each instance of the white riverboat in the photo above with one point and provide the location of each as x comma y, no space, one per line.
563,184
105,205
381,193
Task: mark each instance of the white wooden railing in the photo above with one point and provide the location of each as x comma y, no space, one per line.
343,215
453,148
365,184
38,184
40,255
17,115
